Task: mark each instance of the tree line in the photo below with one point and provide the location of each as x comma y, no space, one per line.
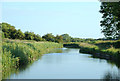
110,27
9,31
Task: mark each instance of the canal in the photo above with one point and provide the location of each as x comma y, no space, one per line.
67,63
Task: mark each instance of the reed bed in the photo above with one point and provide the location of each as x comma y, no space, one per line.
0,54
103,49
16,54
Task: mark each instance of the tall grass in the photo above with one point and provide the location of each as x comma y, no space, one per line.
104,49
0,54
16,54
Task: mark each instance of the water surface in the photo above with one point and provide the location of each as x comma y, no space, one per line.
70,64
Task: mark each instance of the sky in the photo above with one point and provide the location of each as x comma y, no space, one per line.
78,19
50,0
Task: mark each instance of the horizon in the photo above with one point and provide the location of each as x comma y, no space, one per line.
55,17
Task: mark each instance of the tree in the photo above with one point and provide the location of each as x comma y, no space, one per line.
20,34
49,37
37,37
59,39
12,32
9,31
3,35
76,40
0,26
111,19
5,29
66,38
29,35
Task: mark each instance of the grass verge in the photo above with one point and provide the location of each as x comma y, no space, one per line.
102,49
16,54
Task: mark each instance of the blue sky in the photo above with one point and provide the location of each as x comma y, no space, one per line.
78,19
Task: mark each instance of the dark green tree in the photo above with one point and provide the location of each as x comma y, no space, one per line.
12,32
20,35
66,38
5,29
0,26
3,35
76,40
29,35
37,37
49,37
59,39
111,19
9,31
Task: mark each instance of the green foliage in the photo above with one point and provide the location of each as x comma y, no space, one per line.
66,38
99,48
0,53
10,32
38,37
17,53
59,39
20,35
111,19
76,40
49,37
29,35
3,36
108,44
8,61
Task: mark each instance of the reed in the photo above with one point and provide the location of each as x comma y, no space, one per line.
16,54
101,49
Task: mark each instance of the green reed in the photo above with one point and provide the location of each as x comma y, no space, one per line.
16,54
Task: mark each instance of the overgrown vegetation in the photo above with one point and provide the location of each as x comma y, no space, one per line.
16,54
9,31
0,53
103,49
24,48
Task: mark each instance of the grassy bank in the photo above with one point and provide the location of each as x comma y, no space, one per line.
17,53
103,49
0,55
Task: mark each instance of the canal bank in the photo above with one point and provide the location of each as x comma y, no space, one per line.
67,63
104,50
19,53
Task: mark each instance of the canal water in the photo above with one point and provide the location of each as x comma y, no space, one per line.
67,63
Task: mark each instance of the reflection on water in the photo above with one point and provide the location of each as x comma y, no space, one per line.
67,63
15,71
112,76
